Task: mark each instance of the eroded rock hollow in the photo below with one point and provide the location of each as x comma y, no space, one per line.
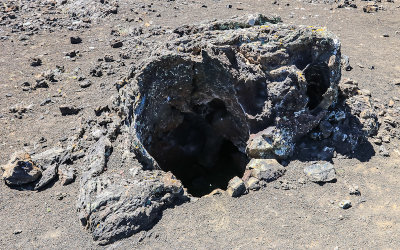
198,105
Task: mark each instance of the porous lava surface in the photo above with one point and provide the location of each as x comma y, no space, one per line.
195,109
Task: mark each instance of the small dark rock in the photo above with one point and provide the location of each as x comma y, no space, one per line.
69,110
61,196
40,84
35,62
108,58
17,231
116,44
48,176
26,86
72,54
75,40
345,204
85,84
96,71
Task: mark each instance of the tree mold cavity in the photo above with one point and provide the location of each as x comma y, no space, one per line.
193,124
216,96
204,106
198,151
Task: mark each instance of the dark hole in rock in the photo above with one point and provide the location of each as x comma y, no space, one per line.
302,57
197,151
317,76
253,96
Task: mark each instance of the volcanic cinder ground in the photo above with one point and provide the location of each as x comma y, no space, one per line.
290,213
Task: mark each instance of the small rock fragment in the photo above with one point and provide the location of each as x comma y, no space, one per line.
396,82
34,62
345,204
48,175
320,172
383,151
370,8
75,40
116,44
259,146
40,84
72,54
20,170
85,84
69,110
346,63
236,187
26,86
266,169
45,101
354,190
253,183
67,174
61,196
301,181
17,231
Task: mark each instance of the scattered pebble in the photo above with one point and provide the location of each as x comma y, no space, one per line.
85,83
75,40
354,190
345,204
35,62
320,172
69,110
17,231
116,44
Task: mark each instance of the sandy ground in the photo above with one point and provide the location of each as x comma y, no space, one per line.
301,216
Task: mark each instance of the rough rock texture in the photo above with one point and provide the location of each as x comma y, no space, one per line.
266,169
112,206
236,187
20,170
320,172
190,106
269,77
48,175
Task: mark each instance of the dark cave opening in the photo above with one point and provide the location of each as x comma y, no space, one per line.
252,96
318,82
198,151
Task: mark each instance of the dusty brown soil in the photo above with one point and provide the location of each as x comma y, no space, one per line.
285,215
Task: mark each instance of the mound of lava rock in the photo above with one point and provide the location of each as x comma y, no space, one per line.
202,106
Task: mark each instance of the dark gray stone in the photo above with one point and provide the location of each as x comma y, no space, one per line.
48,175
20,170
69,110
